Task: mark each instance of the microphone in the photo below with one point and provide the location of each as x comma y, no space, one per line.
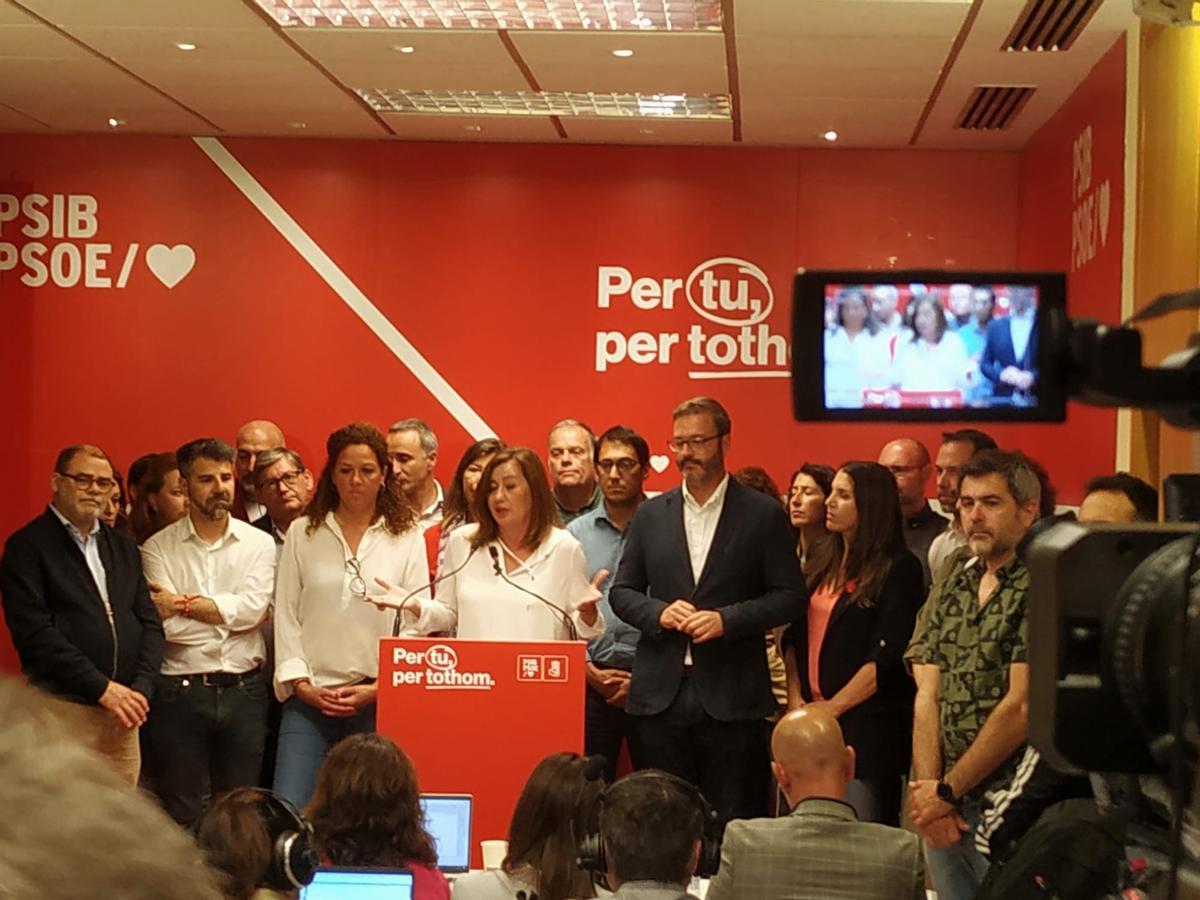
415,591
571,629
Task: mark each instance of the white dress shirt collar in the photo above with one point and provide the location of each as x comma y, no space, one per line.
717,497
80,537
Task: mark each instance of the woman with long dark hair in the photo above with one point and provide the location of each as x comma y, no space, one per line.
366,812
460,498
846,651
358,534
556,807
161,497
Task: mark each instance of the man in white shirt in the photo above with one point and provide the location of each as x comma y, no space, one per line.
211,577
252,439
708,568
413,450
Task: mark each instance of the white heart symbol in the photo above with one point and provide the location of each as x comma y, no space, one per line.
170,265
659,463
1104,210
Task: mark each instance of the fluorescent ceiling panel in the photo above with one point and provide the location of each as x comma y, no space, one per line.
547,103
553,15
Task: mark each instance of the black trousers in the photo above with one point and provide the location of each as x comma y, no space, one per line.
605,726
204,740
728,761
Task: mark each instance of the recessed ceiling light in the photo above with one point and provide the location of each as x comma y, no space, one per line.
297,124
113,123
830,136
184,45
404,49
473,127
623,54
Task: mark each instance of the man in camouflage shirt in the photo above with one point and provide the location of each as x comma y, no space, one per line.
970,722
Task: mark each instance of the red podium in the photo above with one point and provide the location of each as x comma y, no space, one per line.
476,716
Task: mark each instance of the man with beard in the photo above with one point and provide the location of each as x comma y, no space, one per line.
211,577
252,439
970,722
708,568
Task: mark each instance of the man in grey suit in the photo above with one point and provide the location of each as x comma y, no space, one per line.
820,850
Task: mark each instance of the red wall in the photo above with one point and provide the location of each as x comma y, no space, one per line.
1064,224
487,259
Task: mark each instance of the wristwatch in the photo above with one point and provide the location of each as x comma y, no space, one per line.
946,793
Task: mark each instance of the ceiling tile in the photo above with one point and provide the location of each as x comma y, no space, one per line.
463,128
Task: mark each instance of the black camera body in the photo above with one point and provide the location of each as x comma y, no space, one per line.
1099,630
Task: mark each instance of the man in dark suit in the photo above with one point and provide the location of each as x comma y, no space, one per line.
80,613
708,568
1009,359
282,484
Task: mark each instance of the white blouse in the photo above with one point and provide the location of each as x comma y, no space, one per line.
483,606
323,632
944,366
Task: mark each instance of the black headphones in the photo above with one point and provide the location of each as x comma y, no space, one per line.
294,857
590,853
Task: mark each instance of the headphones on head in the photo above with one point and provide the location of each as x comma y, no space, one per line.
294,857
591,856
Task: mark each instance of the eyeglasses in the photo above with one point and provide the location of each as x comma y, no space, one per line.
85,482
287,479
695,443
358,587
624,466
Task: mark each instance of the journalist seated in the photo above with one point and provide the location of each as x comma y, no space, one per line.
820,849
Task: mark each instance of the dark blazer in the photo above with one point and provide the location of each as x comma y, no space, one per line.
998,354
57,618
751,575
880,728
264,523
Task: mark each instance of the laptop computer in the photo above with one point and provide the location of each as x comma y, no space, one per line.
339,883
448,821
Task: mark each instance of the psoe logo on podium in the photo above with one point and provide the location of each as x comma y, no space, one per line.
436,669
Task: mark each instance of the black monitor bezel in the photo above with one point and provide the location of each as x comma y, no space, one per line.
808,348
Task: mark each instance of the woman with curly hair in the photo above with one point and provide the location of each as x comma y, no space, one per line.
366,812
359,533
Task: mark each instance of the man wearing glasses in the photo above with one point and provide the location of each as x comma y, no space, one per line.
211,577
708,568
253,438
910,465
80,613
282,484
623,464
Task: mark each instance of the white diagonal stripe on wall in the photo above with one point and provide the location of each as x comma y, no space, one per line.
341,284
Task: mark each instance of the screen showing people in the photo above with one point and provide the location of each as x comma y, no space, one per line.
930,346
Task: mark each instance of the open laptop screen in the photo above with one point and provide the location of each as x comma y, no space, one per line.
448,820
360,884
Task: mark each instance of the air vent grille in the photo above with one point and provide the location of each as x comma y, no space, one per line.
993,107
1050,25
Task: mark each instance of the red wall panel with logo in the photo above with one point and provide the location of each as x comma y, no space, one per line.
489,260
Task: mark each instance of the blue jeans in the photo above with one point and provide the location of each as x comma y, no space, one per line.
958,870
306,736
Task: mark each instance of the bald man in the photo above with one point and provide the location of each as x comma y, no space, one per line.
820,849
910,465
252,439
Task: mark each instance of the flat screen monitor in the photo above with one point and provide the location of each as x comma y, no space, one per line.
448,820
926,346
337,883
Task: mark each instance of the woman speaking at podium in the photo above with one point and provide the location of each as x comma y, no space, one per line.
515,575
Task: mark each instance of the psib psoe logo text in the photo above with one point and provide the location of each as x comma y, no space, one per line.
436,669
732,296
